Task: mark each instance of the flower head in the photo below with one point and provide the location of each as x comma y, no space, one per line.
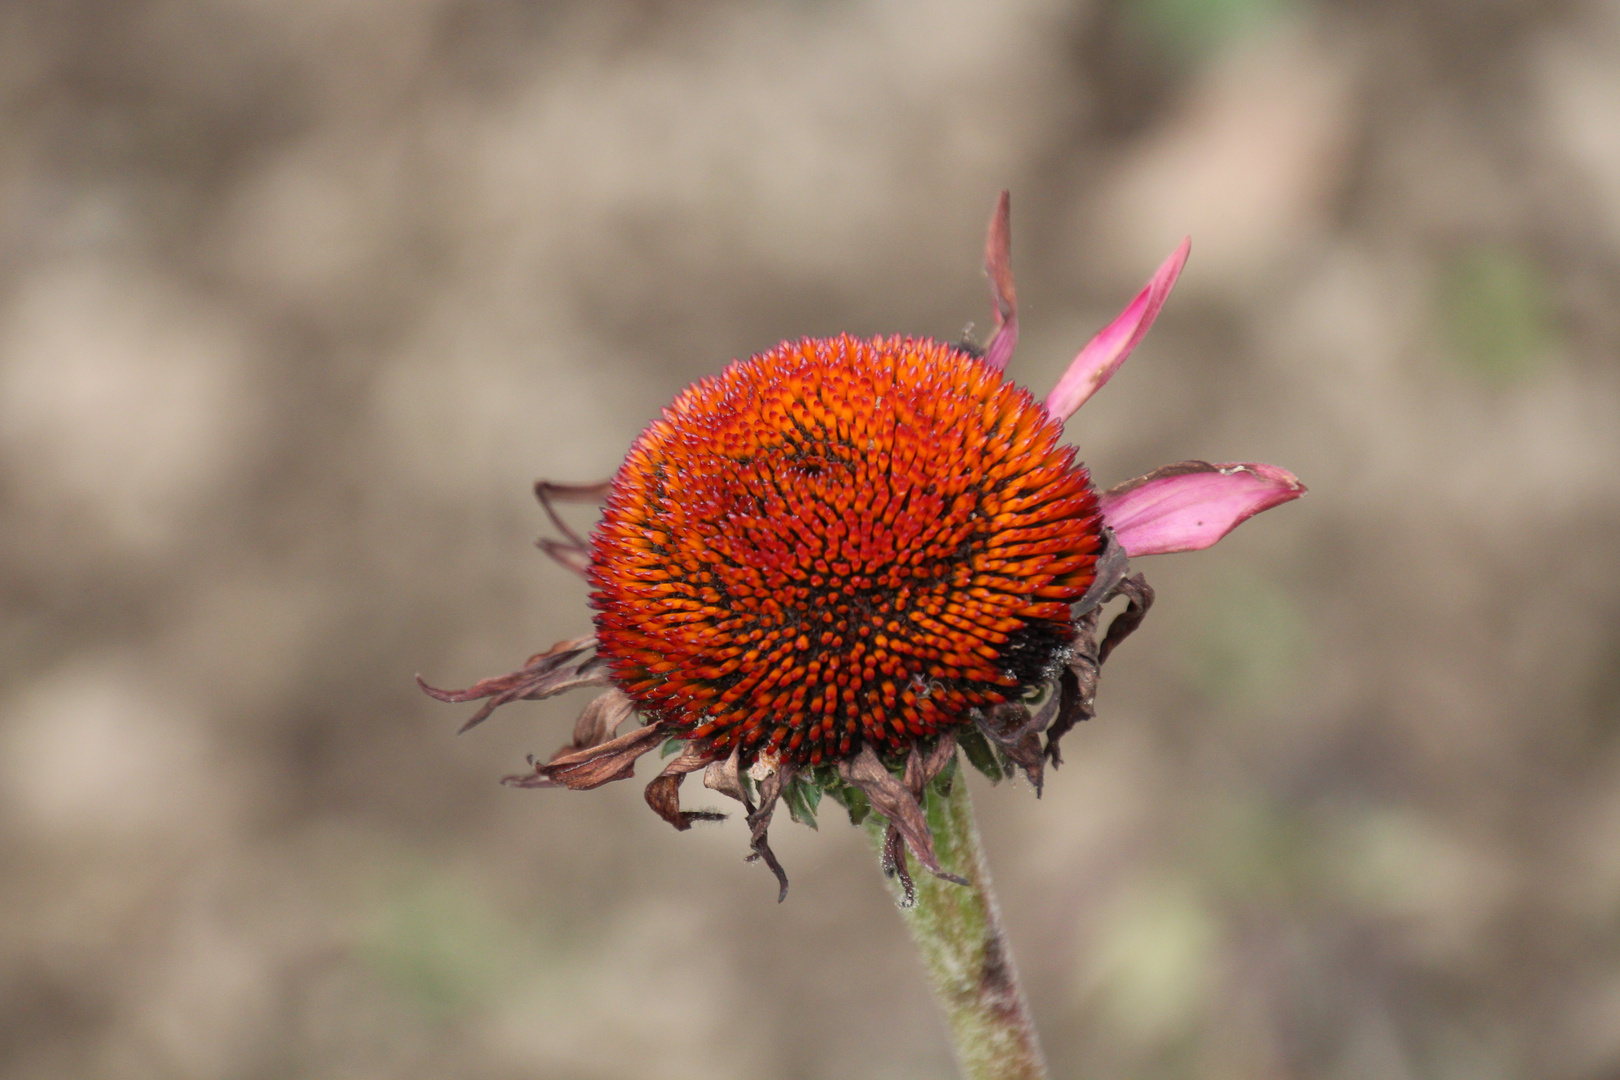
841,543
825,568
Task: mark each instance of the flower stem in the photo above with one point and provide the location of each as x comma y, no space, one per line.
964,946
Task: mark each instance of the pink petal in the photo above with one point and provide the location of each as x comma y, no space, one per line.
1096,363
1189,506
998,265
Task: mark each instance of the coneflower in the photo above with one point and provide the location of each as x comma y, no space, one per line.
832,565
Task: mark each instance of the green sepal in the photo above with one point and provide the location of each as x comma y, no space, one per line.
852,799
802,796
857,806
980,755
671,746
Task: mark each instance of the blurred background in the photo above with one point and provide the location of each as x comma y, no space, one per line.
298,298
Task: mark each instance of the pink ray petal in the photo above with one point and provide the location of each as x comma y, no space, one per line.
1096,363
998,265
1189,506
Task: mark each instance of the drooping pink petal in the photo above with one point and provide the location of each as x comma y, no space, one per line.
1096,363
1190,505
998,265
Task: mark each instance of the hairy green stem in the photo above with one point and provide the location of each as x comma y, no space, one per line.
964,946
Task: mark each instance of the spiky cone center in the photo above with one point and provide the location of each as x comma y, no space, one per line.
837,543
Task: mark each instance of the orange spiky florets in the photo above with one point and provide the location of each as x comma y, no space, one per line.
839,542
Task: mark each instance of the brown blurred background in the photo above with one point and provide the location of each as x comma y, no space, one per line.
297,298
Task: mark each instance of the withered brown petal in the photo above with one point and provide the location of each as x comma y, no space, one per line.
1110,569
894,865
1078,683
1077,687
759,821
585,769
1026,753
664,793
572,551
923,766
601,719
569,556
891,798
548,492
1012,727
564,666
921,769
1140,595
726,777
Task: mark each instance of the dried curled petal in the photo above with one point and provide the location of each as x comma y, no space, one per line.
1017,730
564,666
582,770
759,822
663,794
897,802
600,720
572,551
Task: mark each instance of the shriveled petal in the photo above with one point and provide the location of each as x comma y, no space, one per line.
923,766
1189,506
891,798
998,265
1139,597
726,776
1108,571
595,766
664,793
1077,690
921,769
1011,726
564,666
599,721
572,551
569,556
1096,363
759,823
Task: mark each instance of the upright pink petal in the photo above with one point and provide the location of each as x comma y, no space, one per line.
1189,506
998,265
1096,363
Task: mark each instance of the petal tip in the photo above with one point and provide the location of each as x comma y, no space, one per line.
1003,295
1096,363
